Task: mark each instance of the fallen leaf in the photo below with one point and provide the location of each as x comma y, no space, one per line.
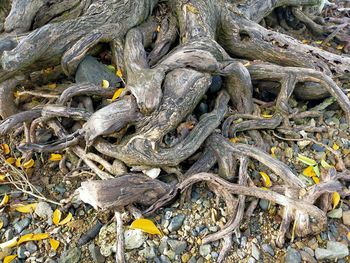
2,177
234,140
18,162
158,29
267,116
54,244
325,165
319,42
5,148
316,170
52,86
111,68
273,149
305,41
316,179
28,164
119,73
66,220
9,258
55,157
32,237
146,226
309,171
11,243
246,64
340,47
105,84
335,146
266,179
10,160
29,208
117,94
348,236
1,224
335,199
4,201
306,160
56,217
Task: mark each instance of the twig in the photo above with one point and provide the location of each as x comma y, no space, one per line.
119,255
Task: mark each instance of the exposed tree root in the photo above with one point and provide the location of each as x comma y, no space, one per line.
168,54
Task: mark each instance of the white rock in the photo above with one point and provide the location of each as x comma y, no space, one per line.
134,238
44,210
153,173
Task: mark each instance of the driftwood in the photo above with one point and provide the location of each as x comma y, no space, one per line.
168,53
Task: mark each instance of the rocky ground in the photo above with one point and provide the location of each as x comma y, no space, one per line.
90,235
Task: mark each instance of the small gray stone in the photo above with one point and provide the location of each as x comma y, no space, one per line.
163,245
44,210
292,256
91,70
176,222
134,238
264,204
71,256
307,257
216,84
4,189
22,224
5,220
255,252
164,259
243,241
214,255
21,252
204,250
148,252
8,234
318,148
95,253
192,259
268,249
346,218
334,250
177,246
251,260
31,247
335,213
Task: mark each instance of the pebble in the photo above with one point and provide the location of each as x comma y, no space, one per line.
255,252
318,148
251,260
21,225
8,234
216,84
5,220
148,252
334,250
21,252
177,246
44,210
292,256
31,247
204,250
346,217
307,257
264,204
91,70
335,213
134,238
96,254
268,249
176,222
71,256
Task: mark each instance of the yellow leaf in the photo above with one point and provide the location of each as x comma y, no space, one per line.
1,224
9,259
28,164
340,47
234,140
335,199
348,236
119,73
105,84
335,146
319,42
306,160
145,225
55,157
54,244
264,188
266,179
316,179
246,64
16,94
117,94
4,201
267,116
158,29
18,162
273,149
309,172
325,165
305,41
192,9
10,160
10,243
5,148
66,220
29,208
56,217
52,86
32,237
2,177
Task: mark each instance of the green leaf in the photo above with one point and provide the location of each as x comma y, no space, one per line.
306,160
